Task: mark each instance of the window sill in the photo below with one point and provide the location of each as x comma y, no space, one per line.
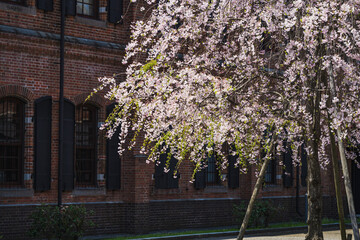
16,192
91,22
161,191
30,10
272,188
215,189
89,192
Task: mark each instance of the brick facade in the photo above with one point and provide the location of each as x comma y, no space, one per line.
29,69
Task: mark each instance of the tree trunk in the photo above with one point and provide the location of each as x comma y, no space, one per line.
257,187
314,197
314,176
339,202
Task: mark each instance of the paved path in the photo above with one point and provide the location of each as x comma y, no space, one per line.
328,235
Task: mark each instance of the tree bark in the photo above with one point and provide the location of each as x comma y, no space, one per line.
314,197
314,176
339,201
257,187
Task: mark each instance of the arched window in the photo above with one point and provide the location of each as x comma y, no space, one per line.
11,141
85,142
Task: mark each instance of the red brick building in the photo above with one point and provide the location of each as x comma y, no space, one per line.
127,195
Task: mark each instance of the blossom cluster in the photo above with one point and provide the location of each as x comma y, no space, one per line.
202,75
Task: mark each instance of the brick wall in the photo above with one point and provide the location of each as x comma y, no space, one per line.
191,213
109,218
160,215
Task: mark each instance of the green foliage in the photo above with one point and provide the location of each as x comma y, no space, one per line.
149,65
63,223
263,211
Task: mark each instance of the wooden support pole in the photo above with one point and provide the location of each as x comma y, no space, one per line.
344,165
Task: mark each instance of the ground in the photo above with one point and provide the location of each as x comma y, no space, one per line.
328,235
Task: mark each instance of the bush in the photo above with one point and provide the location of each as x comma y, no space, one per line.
64,223
263,211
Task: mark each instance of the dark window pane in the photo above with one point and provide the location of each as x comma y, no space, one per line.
273,172
85,141
86,8
78,8
166,180
11,141
212,174
270,174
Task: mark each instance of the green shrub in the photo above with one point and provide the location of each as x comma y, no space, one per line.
64,223
263,211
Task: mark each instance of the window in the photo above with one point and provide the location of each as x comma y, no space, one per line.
270,174
212,174
209,176
88,8
166,180
277,174
85,145
273,168
11,141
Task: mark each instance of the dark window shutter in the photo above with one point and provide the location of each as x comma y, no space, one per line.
233,173
68,146
46,5
115,10
303,166
166,180
160,175
171,181
288,167
42,131
200,176
70,7
113,161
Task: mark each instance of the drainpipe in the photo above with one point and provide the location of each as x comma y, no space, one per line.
61,102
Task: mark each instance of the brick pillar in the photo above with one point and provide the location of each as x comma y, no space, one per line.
137,186
143,178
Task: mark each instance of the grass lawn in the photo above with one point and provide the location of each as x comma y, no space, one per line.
163,234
